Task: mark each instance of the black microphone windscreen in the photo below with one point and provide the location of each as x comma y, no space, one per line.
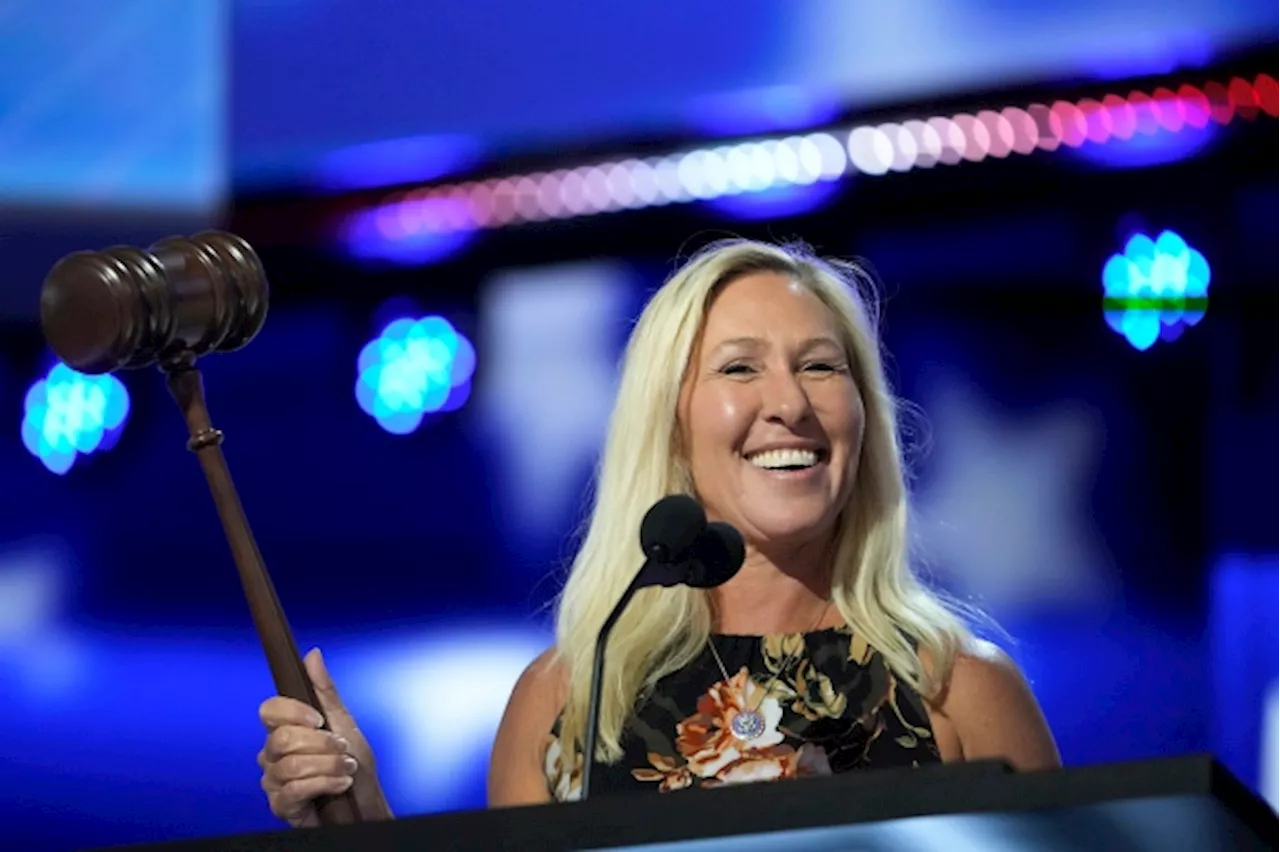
717,556
671,527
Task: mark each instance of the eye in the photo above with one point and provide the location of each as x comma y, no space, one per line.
821,367
737,369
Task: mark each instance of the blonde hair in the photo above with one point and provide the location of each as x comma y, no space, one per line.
664,629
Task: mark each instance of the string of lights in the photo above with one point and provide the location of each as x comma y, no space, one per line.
710,172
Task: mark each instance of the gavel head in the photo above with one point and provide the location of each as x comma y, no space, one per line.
123,307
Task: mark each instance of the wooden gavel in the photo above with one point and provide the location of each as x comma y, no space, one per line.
125,308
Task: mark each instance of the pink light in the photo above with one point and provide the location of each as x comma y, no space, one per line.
976,140
928,143
1168,109
1070,124
874,150
1144,110
1195,106
482,203
1097,121
1048,130
951,139
1023,127
1124,121
999,132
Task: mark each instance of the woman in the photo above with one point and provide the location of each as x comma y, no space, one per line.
753,381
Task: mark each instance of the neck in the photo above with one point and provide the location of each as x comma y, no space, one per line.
776,594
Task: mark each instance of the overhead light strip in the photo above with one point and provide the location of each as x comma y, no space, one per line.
710,172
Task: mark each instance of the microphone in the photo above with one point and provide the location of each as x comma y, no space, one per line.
682,549
668,533
717,555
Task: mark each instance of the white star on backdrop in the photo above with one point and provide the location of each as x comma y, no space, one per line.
1003,514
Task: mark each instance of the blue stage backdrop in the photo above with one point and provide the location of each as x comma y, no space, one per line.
422,562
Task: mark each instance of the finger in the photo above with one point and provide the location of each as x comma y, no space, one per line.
295,767
279,710
326,691
292,739
293,800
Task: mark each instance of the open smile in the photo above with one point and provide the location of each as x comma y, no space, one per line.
788,462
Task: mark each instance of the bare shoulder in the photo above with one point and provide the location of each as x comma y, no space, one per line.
515,767
543,685
993,710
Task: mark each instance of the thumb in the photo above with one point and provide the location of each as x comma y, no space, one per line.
330,703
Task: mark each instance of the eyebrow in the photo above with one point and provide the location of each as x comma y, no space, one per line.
759,343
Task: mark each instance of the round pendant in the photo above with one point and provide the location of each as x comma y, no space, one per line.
747,725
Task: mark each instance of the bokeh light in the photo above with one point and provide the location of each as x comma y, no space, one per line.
413,368
1112,130
68,414
1155,289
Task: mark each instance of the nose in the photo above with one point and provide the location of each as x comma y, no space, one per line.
785,400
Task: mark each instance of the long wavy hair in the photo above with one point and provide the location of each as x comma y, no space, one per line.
664,629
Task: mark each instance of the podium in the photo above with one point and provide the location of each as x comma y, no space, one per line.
1186,803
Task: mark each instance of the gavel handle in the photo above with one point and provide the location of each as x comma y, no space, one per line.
291,679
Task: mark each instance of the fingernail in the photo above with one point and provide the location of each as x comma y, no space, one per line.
342,743
350,763
347,781
316,720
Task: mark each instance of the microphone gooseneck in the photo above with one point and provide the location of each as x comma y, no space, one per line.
680,548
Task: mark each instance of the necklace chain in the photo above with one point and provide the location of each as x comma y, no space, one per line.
791,658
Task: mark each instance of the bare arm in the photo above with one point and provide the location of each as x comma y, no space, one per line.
516,774
992,713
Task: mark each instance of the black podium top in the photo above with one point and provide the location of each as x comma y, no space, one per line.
1187,803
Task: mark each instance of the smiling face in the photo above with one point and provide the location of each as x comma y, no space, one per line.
770,415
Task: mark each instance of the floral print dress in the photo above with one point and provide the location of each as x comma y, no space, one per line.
835,707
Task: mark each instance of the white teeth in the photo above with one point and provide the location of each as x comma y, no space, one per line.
773,459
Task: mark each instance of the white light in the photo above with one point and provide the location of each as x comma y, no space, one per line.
549,198
617,181
810,158
573,192
527,205
666,175
831,157
905,150
596,185
692,175
737,163
1270,781
870,151
644,186
785,161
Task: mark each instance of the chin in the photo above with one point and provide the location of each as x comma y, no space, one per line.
788,529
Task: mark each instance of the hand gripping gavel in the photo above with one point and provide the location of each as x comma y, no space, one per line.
126,308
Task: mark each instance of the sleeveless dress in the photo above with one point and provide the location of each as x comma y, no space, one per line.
836,707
